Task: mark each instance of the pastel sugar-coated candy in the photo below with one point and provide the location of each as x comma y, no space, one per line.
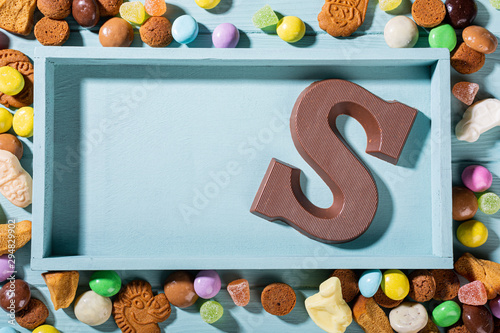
446,314
489,203
7,330
211,311
369,282
265,17
477,178
495,306
465,91
134,12
93,309
388,5
225,35
5,120
408,317
207,4
155,7
185,29
473,293
395,284
477,119
443,36
401,32
11,81
105,283
46,329
207,284
22,122
239,290
472,233
291,29
6,267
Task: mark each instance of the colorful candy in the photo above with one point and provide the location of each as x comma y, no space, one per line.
461,13
23,122
105,283
116,32
495,306
7,267
239,290
207,4
477,319
443,36
477,178
395,284
464,203
446,314
155,7
5,120
369,282
225,35
465,91
265,17
291,29
179,289
134,12
408,317
15,295
211,311
489,203
46,329
207,284
480,39
388,5
473,293
477,119
185,29
472,233
401,32
11,81
93,309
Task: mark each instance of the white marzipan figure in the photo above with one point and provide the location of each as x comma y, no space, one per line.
478,118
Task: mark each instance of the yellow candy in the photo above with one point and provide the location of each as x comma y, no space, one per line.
23,122
134,12
207,4
291,29
46,329
395,284
388,5
11,81
472,233
5,120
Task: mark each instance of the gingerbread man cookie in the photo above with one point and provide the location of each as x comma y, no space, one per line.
342,17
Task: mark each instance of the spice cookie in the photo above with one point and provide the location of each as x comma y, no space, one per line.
342,17
109,7
428,13
466,60
422,285
51,32
156,31
348,282
19,61
17,16
33,315
55,9
447,284
381,299
278,299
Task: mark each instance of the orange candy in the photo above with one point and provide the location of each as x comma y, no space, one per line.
155,7
239,290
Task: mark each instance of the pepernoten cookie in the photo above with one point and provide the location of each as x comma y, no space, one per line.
51,32
33,315
109,7
466,60
342,17
55,9
19,61
278,299
428,13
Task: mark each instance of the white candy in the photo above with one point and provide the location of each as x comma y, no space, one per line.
479,118
93,309
15,182
401,32
408,317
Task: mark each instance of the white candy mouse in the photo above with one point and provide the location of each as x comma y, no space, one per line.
478,118
408,317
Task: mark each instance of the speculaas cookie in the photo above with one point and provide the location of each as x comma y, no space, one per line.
342,17
21,62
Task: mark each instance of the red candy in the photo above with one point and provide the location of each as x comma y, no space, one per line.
239,291
473,293
155,7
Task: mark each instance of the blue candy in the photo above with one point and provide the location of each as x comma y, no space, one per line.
369,282
185,29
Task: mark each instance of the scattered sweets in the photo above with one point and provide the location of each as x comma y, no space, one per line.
495,306
369,282
464,203
278,299
328,309
443,36
422,285
239,290
185,29
465,91
211,311
381,299
461,13
291,29
408,317
447,284
401,32
207,284
55,9
5,120
116,32
22,122
489,203
388,5
483,270
156,31
33,315
472,233
395,284
473,293
225,35
265,17
93,309
428,13
480,39
348,282
466,60
207,4
105,283
446,314
134,12
23,236
370,316
477,319
15,295
179,289
6,267
62,287
51,32
11,81
46,329
155,7
476,177
477,119
85,13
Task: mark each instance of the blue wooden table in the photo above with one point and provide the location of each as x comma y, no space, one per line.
306,277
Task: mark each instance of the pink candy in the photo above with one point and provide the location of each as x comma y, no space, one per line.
473,293
239,291
477,178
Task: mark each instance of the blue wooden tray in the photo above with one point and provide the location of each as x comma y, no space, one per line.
150,159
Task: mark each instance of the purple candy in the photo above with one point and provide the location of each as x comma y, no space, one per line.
495,306
5,269
477,178
207,284
225,36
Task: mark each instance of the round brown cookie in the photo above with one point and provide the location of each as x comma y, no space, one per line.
109,7
428,13
156,31
55,9
447,284
422,285
33,315
21,62
278,299
384,301
458,327
348,282
466,60
51,32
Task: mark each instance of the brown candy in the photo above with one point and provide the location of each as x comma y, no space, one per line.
465,92
464,203
461,13
480,39
86,13
33,315
15,295
466,60
12,144
477,319
116,32
179,289
278,299
428,13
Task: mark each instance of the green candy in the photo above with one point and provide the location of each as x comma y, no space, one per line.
443,36
446,314
265,17
489,203
495,3
211,311
105,283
